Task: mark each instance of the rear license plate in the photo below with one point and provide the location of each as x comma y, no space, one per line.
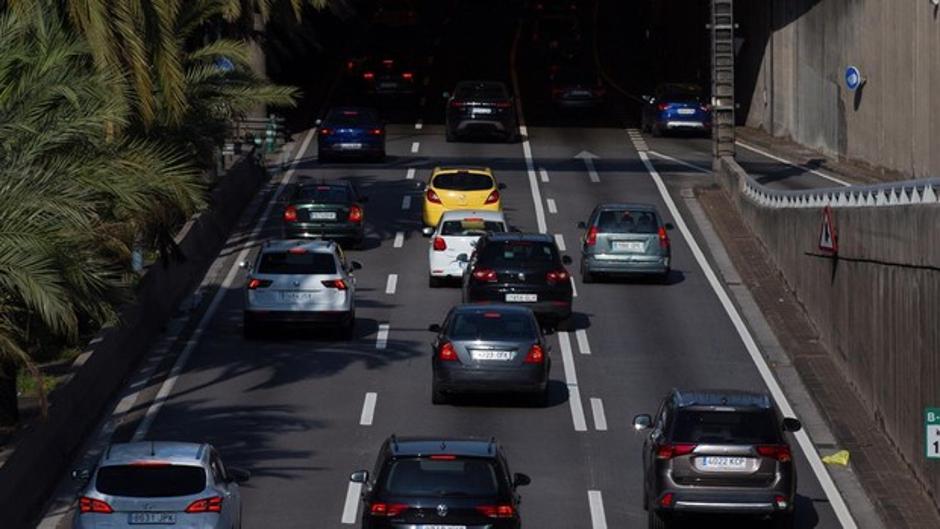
686,111
390,84
628,246
484,110
296,296
322,215
723,463
522,298
491,355
163,518
350,146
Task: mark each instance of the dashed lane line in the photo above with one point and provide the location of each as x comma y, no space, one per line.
597,410
583,344
419,125
368,409
381,337
543,175
399,239
415,146
598,518
560,242
391,284
574,286
526,146
351,506
410,174
552,208
571,380
406,202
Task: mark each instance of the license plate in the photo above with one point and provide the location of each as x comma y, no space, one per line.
686,111
322,215
491,355
723,463
388,85
163,518
296,296
522,298
476,111
350,146
628,246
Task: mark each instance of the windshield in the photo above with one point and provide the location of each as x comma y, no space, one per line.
150,481
725,427
481,91
492,325
627,221
471,227
297,263
449,477
322,194
518,254
463,181
350,118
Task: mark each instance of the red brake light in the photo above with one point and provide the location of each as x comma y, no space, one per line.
457,104
591,238
493,197
376,132
432,197
663,238
387,509
447,353
213,504
444,457
350,65
297,250
439,244
497,511
485,275
666,500
258,283
324,131
669,451
535,355
779,452
407,76
368,76
86,504
662,106
355,214
290,214
556,276
338,284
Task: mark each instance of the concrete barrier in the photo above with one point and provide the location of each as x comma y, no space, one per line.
876,306
42,455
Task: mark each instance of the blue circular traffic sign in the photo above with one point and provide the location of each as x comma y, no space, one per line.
853,78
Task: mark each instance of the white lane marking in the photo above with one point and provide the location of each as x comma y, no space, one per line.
415,146
552,208
571,380
526,146
639,142
588,158
391,284
419,125
351,507
399,239
598,518
167,387
560,242
583,345
791,164
406,202
381,337
543,175
574,287
368,409
597,410
681,162
806,444
410,175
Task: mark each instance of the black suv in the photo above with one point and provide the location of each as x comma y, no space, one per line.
437,482
324,210
520,268
722,452
481,108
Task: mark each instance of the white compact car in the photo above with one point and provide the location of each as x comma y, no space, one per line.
453,240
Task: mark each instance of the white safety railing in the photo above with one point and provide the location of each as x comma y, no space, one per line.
925,191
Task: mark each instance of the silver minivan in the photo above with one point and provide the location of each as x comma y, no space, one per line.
300,282
625,239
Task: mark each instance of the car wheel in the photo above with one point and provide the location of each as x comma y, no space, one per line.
434,282
664,277
437,396
450,136
783,520
348,329
586,276
657,520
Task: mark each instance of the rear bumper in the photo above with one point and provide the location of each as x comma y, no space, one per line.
578,104
464,125
678,124
641,264
367,148
314,231
551,305
297,317
761,502
517,379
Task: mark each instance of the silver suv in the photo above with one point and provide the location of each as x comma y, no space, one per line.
163,483
300,282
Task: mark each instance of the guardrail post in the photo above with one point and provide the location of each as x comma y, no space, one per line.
722,32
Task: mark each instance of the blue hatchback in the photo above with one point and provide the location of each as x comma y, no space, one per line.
351,132
677,107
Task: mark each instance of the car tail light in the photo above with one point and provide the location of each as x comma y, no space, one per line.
779,452
485,275
86,505
350,65
663,238
258,283
338,284
781,502
591,238
443,457
290,214
368,76
503,104
662,106
376,132
297,250
432,197
407,76
324,131
497,511
536,355
666,500
447,353
387,509
493,197
355,214
671,450
556,276
458,104
213,504
439,244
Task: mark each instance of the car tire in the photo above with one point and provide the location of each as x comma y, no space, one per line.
656,520
438,397
434,282
783,520
450,136
586,276
664,277
348,329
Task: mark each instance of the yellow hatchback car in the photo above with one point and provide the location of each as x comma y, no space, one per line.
453,188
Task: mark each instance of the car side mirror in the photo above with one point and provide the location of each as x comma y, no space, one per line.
434,327
520,480
642,422
501,186
244,265
582,225
355,265
463,258
427,231
648,99
792,425
81,474
670,226
238,475
445,95
566,260
359,476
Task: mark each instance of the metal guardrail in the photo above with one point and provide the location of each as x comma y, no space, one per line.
924,191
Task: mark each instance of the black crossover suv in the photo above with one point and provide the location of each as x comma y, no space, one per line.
440,482
722,452
482,108
325,211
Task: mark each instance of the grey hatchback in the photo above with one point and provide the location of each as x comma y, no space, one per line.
625,239
722,452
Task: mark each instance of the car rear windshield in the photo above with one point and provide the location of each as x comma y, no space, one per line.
150,481
297,263
483,92
518,254
725,427
627,221
463,181
322,194
350,118
470,227
682,94
492,325
442,477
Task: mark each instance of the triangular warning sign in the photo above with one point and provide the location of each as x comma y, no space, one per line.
828,240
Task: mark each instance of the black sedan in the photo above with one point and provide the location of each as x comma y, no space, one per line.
489,348
523,269
325,211
481,108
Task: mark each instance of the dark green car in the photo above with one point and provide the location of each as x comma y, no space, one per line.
625,239
325,211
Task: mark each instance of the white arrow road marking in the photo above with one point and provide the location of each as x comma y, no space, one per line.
588,158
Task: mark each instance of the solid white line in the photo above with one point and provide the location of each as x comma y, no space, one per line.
583,344
791,164
391,284
543,175
551,206
560,242
419,125
681,162
381,337
524,133
415,146
167,387
574,287
351,507
598,518
410,174
600,420
399,239
368,409
825,480
571,379
406,202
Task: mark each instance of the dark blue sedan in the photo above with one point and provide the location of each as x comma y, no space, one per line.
351,132
677,107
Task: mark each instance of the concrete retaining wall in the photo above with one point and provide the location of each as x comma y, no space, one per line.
42,455
876,307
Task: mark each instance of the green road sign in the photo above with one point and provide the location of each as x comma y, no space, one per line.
932,429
